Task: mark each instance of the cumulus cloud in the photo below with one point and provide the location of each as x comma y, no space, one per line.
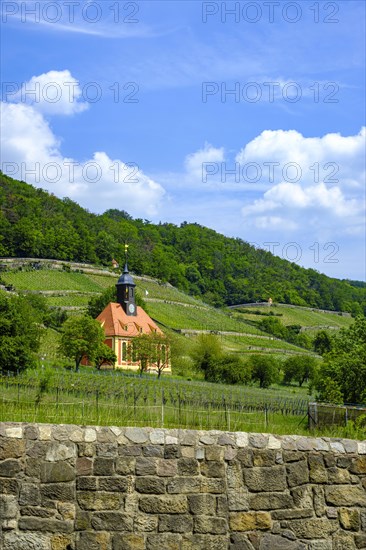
332,158
52,93
197,162
291,200
31,152
316,182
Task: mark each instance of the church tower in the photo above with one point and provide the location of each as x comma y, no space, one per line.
126,290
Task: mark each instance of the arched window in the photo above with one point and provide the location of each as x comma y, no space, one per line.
124,351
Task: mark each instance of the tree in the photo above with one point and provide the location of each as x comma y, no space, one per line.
206,353
345,365
162,352
229,369
19,333
81,337
322,342
144,351
98,303
264,370
104,356
299,368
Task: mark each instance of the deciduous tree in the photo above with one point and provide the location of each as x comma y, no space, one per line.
81,337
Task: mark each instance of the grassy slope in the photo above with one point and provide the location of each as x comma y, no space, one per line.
166,304
297,316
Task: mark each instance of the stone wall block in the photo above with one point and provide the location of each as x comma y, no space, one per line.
213,469
203,504
150,484
45,524
210,524
184,485
270,501
177,523
167,468
112,521
265,479
29,494
249,521
96,500
163,540
128,541
58,491
163,504
319,528
11,448
238,499
57,472
93,541
103,466
125,466
345,495
146,466
10,467
188,467
317,470
349,519
297,473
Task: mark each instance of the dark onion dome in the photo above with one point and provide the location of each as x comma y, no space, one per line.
125,278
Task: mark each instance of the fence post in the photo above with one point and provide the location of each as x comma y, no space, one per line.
162,408
266,416
313,415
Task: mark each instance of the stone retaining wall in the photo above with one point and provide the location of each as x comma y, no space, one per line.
99,488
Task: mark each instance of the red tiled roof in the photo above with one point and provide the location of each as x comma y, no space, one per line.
116,323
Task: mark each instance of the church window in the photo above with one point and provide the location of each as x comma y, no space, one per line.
124,351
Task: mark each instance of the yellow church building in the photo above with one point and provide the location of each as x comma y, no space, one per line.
123,321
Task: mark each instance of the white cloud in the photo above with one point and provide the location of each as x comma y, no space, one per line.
196,164
31,152
332,158
291,200
52,93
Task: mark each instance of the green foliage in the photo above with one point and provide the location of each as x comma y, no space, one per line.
265,370
34,223
81,337
273,326
300,368
104,356
50,317
322,342
19,333
98,303
206,353
229,369
144,351
343,375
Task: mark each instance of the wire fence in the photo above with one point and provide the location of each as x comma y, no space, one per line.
23,404
325,414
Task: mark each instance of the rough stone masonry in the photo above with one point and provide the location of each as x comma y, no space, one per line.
108,488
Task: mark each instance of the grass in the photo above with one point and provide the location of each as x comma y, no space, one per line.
182,317
297,316
67,301
195,315
115,398
50,279
237,343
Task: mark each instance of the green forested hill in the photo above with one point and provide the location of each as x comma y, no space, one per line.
221,270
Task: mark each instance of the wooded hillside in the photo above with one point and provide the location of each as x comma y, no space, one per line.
198,260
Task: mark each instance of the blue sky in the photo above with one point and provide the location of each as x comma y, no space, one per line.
247,117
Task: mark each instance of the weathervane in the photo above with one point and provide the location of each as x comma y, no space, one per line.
126,251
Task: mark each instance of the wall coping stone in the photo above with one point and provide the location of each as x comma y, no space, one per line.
199,438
